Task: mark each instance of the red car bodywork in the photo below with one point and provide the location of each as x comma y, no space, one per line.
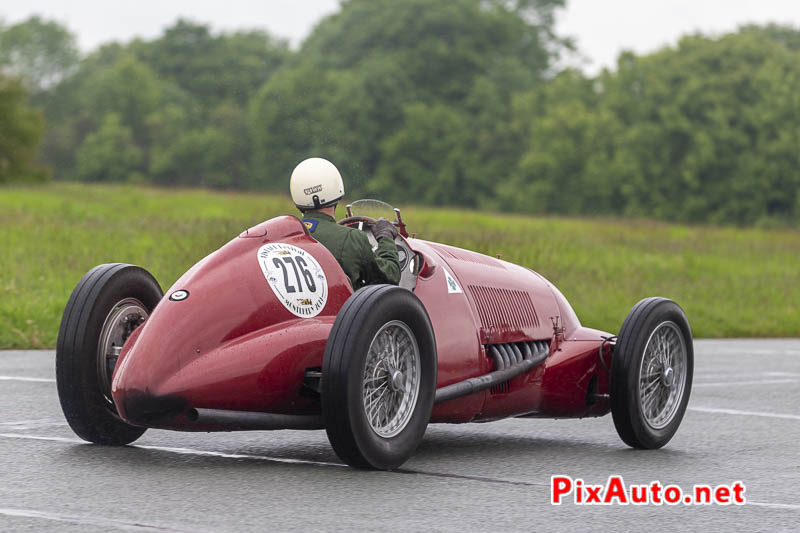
233,345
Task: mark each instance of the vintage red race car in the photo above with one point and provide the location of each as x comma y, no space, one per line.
267,333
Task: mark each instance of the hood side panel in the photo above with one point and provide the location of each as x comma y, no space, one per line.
511,302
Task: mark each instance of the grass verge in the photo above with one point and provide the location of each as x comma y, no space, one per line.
731,282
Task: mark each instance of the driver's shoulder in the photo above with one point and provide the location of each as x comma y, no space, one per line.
339,235
322,226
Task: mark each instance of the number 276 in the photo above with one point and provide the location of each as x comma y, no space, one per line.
300,268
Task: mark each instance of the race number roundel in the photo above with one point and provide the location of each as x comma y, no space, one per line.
296,278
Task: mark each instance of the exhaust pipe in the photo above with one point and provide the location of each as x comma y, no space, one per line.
249,420
514,362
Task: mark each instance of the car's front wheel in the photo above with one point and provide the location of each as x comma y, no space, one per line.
651,373
379,377
107,305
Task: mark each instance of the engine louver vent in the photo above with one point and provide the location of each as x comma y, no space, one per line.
470,257
504,309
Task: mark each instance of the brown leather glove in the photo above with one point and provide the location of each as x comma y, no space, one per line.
384,228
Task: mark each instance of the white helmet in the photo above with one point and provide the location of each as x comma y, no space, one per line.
316,183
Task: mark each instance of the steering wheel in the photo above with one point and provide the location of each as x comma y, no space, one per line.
352,220
369,223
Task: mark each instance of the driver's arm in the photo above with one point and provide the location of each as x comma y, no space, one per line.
382,266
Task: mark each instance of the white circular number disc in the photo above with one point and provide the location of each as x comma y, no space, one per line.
296,278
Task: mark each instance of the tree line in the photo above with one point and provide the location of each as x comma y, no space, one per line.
417,101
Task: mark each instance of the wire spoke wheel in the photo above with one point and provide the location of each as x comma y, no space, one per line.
662,375
122,320
651,373
379,377
391,379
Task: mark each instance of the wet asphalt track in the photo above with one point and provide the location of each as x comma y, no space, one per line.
743,424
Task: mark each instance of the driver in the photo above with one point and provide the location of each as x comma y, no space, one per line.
316,187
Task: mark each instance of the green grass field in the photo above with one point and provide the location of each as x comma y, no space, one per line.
731,282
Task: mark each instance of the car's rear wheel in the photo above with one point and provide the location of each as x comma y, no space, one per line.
107,305
651,373
379,377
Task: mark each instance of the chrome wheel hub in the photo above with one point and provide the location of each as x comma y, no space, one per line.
121,321
391,379
668,377
397,381
662,375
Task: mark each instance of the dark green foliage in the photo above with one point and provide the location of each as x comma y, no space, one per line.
108,154
178,103
196,157
213,68
41,52
424,101
707,132
427,160
365,78
21,129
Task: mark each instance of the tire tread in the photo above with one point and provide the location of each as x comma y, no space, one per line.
352,319
631,338
75,360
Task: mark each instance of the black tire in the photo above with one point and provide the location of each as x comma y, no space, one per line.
359,321
84,398
648,317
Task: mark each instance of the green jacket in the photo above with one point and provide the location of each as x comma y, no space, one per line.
352,249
